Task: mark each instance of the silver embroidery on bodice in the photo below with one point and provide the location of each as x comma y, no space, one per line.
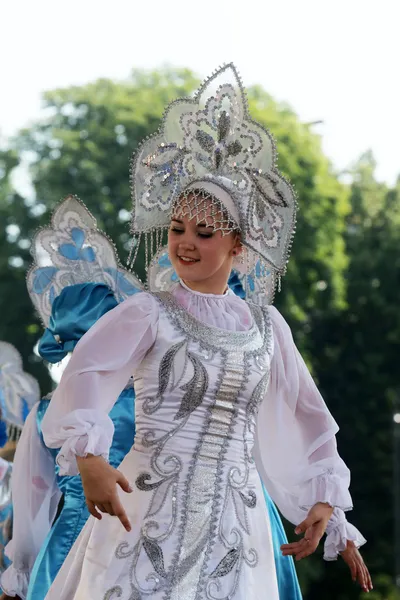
194,437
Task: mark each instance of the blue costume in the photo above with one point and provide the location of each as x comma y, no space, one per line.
5,510
74,311
18,393
74,512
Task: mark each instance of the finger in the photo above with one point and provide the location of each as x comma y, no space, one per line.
101,507
364,578
109,509
294,546
120,513
361,577
367,577
353,569
92,509
307,549
304,525
124,484
304,554
315,535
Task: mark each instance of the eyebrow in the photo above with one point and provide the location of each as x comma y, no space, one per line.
198,225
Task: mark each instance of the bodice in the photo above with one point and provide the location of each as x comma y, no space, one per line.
196,378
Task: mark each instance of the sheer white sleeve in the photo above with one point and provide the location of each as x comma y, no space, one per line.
77,419
295,446
35,500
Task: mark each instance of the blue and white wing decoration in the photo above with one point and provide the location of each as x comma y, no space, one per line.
19,391
74,251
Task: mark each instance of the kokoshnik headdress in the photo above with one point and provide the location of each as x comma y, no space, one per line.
208,147
75,278
19,391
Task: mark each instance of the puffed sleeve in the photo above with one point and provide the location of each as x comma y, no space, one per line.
35,497
295,445
103,361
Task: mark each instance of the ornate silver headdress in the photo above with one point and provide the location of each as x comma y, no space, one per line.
72,251
19,391
210,143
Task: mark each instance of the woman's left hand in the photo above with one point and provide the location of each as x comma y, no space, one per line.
313,527
358,568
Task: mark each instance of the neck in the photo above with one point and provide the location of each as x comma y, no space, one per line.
205,288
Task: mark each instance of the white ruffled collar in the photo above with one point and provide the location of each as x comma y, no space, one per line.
213,296
225,311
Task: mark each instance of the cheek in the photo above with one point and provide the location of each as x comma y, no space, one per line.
171,244
215,253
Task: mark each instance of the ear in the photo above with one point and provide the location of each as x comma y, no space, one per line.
237,246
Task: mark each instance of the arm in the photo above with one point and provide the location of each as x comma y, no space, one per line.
77,419
35,500
297,457
103,361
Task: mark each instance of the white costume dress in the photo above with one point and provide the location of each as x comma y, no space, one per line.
222,396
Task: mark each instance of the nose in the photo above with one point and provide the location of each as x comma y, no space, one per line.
186,241
186,245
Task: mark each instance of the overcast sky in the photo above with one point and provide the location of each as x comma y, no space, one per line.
335,61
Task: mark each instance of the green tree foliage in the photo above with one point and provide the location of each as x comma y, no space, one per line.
355,355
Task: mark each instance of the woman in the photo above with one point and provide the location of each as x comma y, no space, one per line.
222,395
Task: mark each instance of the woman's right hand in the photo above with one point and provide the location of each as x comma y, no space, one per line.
99,480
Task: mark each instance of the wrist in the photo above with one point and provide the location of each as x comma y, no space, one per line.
83,461
87,457
349,545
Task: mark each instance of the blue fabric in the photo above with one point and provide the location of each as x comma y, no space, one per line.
6,514
3,431
235,285
288,583
73,313
74,513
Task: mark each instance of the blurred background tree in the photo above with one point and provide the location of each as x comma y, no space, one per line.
340,294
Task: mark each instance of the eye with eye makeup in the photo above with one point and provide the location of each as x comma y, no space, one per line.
201,234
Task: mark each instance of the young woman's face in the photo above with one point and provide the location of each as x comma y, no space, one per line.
199,254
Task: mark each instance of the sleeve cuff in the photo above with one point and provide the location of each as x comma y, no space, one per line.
327,488
15,582
97,440
337,537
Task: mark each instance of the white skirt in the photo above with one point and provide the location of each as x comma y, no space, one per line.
177,548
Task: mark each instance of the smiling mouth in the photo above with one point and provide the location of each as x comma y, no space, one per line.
187,261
